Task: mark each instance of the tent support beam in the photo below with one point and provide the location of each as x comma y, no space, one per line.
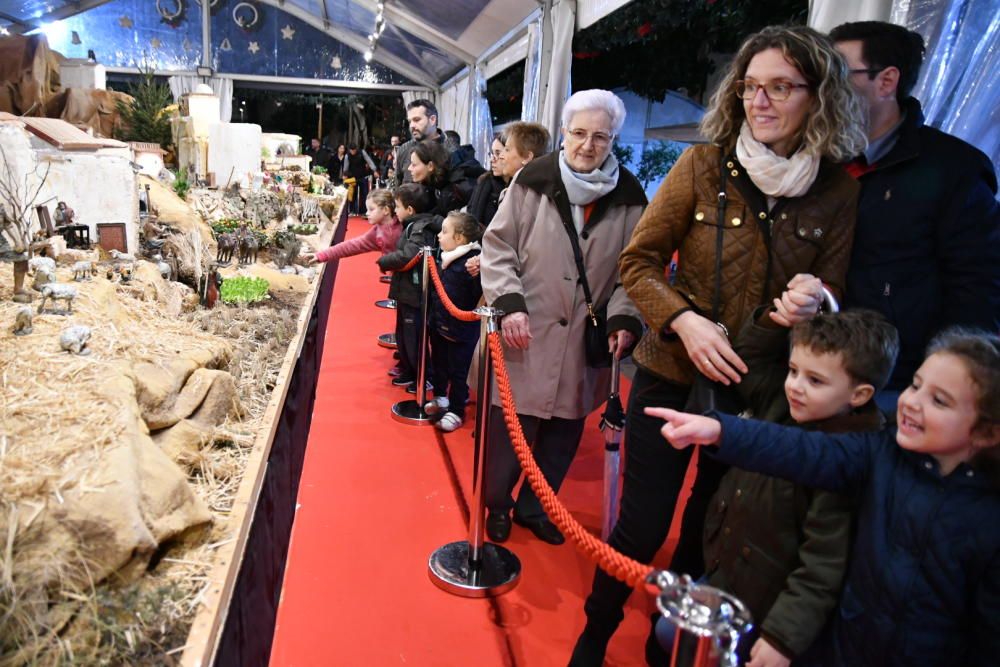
297,82
355,42
419,28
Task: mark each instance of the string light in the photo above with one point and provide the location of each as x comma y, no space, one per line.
376,32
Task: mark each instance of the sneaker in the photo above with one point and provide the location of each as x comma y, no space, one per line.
449,422
402,380
394,372
412,387
436,406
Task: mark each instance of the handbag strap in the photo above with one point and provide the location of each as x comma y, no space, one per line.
721,219
578,256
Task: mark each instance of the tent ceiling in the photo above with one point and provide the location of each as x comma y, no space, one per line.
435,38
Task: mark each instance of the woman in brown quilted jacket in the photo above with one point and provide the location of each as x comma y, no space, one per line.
781,118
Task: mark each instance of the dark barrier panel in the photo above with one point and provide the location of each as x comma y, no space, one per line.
249,629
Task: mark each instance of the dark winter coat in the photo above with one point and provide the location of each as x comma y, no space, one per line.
485,198
464,290
454,193
781,547
762,249
927,241
418,231
923,584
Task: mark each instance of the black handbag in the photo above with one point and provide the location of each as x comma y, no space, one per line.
595,334
706,394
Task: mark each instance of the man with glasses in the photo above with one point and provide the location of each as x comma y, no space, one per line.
927,243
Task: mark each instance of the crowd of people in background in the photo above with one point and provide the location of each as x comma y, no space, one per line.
866,537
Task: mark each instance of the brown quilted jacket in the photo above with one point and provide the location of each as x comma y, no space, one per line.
762,250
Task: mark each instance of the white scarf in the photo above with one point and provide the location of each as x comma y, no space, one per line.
585,188
776,176
449,256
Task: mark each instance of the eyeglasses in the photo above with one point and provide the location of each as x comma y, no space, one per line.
776,91
600,139
866,70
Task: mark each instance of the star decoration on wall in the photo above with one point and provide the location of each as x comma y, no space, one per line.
155,43
288,32
253,48
125,22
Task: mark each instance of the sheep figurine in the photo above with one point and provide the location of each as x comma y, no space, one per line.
165,270
43,276
74,339
58,292
83,271
120,256
22,321
36,263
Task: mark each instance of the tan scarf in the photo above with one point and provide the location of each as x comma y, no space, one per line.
773,175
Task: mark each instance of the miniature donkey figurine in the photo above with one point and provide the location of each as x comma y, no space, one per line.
247,245
227,246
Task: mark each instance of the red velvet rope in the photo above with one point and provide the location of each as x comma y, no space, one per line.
453,310
617,565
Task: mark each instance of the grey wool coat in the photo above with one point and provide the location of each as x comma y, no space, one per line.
528,266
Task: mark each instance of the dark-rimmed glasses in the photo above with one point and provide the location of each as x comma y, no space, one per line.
776,91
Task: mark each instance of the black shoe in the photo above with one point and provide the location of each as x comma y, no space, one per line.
543,529
589,651
412,387
498,526
402,381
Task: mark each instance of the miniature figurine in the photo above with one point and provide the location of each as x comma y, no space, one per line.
58,292
74,339
83,271
43,276
227,246
35,262
22,321
64,215
120,256
288,246
247,246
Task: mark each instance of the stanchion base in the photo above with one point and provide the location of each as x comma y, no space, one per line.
386,303
385,279
498,572
387,340
411,412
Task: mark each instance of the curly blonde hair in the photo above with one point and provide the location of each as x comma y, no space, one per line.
835,128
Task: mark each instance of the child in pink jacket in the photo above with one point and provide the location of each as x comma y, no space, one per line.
385,230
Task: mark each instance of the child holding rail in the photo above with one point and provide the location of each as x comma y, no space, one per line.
923,584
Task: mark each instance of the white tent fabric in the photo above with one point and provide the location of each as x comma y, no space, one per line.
180,85
481,122
453,108
532,72
556,82
824,15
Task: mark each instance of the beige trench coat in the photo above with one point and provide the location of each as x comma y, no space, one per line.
528,266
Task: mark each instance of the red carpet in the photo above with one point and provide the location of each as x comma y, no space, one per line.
377,497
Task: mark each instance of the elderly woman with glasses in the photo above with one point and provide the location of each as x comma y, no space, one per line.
760,218
529,271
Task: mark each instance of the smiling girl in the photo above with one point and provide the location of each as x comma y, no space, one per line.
923,587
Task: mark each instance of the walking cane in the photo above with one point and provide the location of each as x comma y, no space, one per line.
709,621
612,424
412,412
477,568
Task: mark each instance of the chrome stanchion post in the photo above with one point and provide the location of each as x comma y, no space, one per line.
412,412
477,568
612,424
709,620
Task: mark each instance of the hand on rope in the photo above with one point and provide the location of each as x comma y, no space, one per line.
617,565
453,310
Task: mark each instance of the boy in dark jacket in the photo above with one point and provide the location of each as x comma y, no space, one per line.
781,547
420,229
453,341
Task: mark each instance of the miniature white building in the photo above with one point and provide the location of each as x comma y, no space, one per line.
93,176
149,156
82,73
228,151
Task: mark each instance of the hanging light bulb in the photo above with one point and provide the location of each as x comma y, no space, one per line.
369,55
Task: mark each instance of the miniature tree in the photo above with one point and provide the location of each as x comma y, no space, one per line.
145,117
18,194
